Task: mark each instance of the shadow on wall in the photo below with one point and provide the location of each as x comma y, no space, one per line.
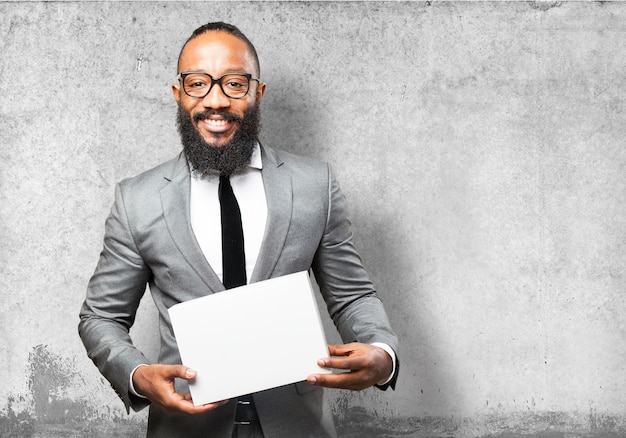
296,119
371,413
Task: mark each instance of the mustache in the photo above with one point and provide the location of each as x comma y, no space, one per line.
207,113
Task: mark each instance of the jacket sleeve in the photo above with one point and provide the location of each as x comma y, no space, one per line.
351,298
109,310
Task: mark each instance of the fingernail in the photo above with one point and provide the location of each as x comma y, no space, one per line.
189,372
312,380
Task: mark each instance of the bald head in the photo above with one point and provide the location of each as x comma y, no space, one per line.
220,26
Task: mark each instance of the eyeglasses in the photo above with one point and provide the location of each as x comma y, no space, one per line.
199,84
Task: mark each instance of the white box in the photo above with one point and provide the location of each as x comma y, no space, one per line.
250,338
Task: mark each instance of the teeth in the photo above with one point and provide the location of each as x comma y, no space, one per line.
216,122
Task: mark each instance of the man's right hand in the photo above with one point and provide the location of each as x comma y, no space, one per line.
156,383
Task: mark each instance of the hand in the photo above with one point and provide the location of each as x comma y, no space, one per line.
156,382
367,365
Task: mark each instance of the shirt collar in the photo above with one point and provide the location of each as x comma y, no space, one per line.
255,159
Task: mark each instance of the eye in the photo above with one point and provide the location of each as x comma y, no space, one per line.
235,84
195,81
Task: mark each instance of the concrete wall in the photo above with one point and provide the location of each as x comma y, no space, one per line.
481,148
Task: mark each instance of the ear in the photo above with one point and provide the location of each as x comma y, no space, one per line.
176,92
260,91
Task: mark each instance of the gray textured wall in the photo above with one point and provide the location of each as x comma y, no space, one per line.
481,148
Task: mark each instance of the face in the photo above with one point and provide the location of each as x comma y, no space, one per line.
215,117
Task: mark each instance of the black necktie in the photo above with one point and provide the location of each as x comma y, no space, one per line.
233,256
234,272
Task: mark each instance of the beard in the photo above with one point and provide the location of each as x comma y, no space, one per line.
231,158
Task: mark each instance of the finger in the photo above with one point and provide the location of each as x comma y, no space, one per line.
177,402
345,351
207,407
345,362
221,402
330,362
211,405
187,407
354,380
339,350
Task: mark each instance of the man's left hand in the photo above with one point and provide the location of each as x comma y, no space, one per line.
366,364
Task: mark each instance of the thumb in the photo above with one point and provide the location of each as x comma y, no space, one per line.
185,372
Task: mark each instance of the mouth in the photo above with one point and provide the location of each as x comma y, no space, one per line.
216,126
219,123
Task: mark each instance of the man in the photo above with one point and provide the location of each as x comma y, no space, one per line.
164,230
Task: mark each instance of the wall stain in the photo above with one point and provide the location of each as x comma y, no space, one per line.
55,405
15,424
51,380
544,5
139,62
359,422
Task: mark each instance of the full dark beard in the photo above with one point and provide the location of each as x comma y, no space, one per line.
231,158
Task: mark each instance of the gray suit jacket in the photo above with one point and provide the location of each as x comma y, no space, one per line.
148,239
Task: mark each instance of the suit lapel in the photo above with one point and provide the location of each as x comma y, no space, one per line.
278,192
175,202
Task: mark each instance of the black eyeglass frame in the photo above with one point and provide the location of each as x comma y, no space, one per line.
181,78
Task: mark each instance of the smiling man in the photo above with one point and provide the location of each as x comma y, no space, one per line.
226,212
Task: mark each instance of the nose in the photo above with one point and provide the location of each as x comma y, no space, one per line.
216,98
